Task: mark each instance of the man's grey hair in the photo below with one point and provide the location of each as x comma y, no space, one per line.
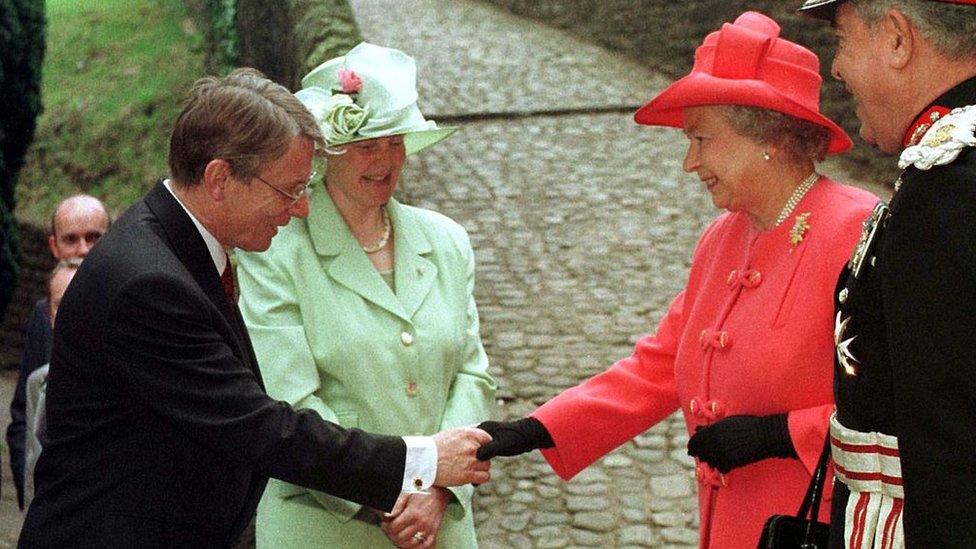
951,28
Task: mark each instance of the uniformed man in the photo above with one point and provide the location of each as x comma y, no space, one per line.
904,435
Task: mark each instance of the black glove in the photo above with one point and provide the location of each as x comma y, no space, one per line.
511,438
740,440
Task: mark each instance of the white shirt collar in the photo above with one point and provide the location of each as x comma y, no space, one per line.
217,251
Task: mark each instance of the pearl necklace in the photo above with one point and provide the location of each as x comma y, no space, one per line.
381,243
795,198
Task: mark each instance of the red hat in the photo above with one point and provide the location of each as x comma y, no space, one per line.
746,63
825,9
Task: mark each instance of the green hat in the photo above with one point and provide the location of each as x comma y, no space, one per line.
368,93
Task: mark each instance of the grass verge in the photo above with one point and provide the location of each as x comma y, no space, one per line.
113,78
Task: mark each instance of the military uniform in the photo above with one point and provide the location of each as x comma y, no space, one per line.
904,434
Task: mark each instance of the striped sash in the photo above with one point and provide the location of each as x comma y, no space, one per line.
869,464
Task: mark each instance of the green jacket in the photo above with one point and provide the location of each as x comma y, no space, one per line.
332,336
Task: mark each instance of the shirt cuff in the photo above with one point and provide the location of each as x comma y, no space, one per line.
420,469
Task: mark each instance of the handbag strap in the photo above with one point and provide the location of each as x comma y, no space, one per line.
811,501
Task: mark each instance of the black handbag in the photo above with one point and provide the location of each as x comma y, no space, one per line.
800,532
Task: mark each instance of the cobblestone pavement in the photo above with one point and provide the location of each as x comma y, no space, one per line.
582,233
10,516
583,225
474,58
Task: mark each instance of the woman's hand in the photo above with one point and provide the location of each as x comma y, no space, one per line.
740,440
416,518
511,438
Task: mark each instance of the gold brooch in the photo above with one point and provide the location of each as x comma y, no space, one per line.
800,227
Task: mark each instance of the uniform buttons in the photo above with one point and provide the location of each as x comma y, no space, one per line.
843,296
406,338
412,388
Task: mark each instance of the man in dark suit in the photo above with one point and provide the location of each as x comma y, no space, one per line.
76,224
159,432
903,442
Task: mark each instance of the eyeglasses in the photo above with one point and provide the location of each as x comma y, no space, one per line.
306,190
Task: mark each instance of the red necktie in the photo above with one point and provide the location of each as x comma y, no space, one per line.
227,279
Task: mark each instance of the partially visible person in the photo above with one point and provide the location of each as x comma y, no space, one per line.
159,432
745,350
905,379
76,224
58,282
364,311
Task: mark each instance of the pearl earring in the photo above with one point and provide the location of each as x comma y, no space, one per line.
766,156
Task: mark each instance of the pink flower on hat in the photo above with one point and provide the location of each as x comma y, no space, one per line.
350,82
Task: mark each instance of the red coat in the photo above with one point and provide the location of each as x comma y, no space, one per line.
752,333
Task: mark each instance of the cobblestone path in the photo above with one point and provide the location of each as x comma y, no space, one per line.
583,225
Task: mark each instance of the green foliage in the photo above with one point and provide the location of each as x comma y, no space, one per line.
21,56
114,78
222,34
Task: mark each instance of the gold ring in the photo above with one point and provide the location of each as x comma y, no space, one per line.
419,537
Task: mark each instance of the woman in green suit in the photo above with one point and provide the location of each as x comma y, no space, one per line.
364,311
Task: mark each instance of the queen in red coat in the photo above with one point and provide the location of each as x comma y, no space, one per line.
745,351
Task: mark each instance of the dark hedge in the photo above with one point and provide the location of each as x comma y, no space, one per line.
21,55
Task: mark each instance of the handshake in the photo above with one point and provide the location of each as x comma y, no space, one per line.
727,444
463,454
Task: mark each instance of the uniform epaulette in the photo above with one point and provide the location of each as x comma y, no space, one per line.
943,142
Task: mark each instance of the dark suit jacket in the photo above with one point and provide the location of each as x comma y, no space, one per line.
37,353
160,433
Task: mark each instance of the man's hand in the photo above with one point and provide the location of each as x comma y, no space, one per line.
456,461
416,518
